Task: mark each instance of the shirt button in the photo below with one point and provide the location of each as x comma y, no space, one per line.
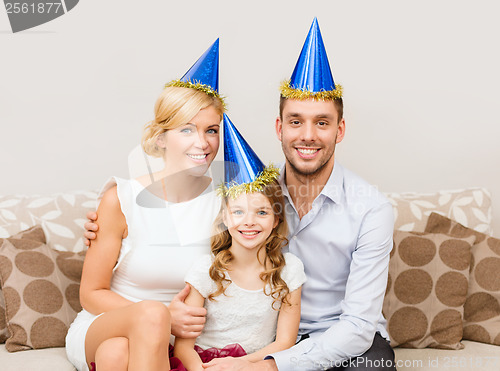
294,238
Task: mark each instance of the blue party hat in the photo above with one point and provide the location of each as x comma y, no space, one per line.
203,74
244,172
312,76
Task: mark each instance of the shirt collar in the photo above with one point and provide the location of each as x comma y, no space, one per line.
333,189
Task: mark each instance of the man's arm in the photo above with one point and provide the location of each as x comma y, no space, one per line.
352,335
91,228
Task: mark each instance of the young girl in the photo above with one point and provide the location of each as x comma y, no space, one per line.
251,290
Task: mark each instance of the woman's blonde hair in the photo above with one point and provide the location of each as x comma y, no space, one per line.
175,107
221,242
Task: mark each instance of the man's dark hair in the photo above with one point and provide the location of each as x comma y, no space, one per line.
338,103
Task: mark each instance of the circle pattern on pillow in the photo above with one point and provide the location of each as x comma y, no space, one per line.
408,324
6,266
40,287
494,245
34,264
413,286
455,254
43,297
478,332
14,300
488,305
73,296
3,325
47,331
446,327
449,285
486,274
416,257
425,296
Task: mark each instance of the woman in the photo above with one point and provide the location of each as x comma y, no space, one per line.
137,263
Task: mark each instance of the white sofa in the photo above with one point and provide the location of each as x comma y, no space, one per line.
62,217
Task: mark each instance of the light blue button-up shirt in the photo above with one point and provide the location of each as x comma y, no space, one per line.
344,242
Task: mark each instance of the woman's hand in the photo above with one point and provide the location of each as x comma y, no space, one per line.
90,228
187,320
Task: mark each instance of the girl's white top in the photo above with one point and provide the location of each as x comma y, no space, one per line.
240,316
164,240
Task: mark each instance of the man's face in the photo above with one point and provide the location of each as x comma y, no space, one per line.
308,131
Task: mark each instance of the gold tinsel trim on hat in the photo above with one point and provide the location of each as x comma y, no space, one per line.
207,89
233,190
288,92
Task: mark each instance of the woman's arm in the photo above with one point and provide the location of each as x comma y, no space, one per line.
286,332
95,294
184,348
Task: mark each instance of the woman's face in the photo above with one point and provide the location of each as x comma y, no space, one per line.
192,147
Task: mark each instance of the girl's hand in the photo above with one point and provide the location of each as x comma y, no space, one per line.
187,321
239,364
226,364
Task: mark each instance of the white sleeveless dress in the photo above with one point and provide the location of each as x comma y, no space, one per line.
164,240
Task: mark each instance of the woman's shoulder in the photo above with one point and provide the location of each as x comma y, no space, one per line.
117,193
113,185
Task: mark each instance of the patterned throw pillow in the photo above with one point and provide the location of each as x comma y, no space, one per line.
426,290
41,290
470,207
62,217
482,307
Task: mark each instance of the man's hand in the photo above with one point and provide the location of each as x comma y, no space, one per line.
90,228
238,364
187,321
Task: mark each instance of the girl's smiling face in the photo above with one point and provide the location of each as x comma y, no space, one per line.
250,220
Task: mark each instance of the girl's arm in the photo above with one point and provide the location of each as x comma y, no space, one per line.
95,294
286,332
184,348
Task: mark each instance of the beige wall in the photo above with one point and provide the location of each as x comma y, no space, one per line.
421,85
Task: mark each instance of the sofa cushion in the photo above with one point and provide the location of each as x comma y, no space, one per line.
482,307
51,359
426,289
41,290
62,217
474,357
471,207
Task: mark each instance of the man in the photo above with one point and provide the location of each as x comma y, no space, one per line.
339,226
